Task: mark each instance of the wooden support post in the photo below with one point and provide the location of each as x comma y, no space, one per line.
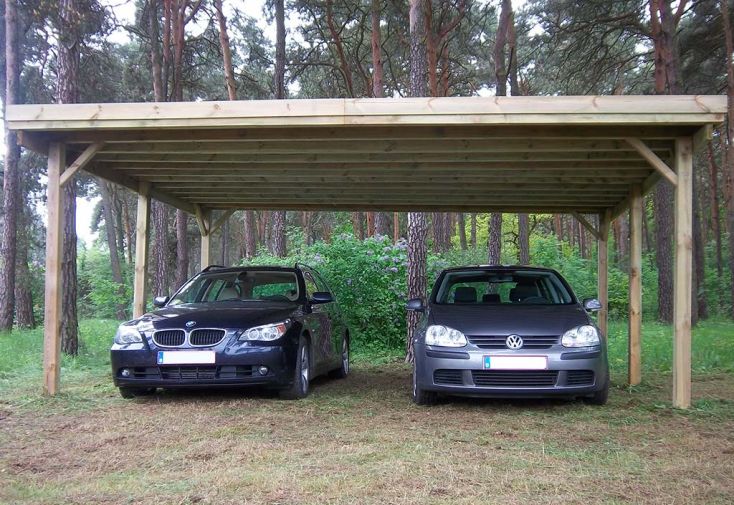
205,217
683,276
602,271
141,249
635,287
54,240
395,227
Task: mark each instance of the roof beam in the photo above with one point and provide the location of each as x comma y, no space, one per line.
654,160
81,161
133,185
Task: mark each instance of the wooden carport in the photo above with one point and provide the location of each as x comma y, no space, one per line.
589,156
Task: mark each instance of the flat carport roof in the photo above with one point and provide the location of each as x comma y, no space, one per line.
583,155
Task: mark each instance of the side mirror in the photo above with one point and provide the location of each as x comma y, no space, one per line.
321,297
160,301
592,305
416,305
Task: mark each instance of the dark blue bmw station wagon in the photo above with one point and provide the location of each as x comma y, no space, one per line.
273,327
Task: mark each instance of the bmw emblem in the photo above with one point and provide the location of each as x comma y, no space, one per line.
190,324
514,342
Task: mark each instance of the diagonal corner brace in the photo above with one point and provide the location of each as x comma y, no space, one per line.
653,160
586,224
80,162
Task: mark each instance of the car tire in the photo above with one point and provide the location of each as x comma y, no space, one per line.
600,397
343,370
129,393
420,395
301,374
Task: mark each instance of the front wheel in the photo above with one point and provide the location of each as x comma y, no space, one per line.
301,374
420,395
600,397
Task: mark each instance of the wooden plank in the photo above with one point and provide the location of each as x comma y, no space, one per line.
469,132
221,220
521,158
142,235
199,213
536,110
122,179
603,271
702,136
683,273
635,288
654,160
206,238
52,286
82,160
399,206
586,224
353,147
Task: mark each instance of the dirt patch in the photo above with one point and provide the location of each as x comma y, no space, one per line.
361,440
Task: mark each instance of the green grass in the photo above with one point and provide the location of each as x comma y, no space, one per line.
21,356
361,440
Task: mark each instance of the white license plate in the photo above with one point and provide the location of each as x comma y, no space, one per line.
185,357
515,362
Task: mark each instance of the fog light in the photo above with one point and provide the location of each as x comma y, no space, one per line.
263,370
125,372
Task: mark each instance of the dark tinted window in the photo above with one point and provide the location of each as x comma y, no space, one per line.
525,287
245,285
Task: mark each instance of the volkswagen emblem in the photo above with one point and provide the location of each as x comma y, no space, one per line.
514,342
191,324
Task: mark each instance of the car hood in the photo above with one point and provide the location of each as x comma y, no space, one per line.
536,320
220,315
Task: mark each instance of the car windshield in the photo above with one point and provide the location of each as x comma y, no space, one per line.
520,287
244,285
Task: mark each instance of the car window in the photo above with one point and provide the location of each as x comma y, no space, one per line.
502,287
244,285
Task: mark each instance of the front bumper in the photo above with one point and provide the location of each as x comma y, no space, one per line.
461,372
235,365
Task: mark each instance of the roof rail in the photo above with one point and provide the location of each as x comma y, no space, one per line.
211,267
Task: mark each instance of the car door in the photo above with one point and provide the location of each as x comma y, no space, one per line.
317,322
336,321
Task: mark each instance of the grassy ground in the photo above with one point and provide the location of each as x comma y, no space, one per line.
361,440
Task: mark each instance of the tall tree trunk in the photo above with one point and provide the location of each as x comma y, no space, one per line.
437,224
382,224
278,239
473,230
250,234
225,243
729,155
523,239
226,51
109,221
417,228
24,316
715,218
182,248
557,226
462,231
500,67
378,87
67,92
11,180
666,82
494,247
699,270
358,224
161,279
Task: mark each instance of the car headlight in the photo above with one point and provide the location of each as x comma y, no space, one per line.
444,336
266,332
128,335
581,336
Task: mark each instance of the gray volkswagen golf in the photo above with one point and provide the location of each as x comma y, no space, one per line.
511,331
